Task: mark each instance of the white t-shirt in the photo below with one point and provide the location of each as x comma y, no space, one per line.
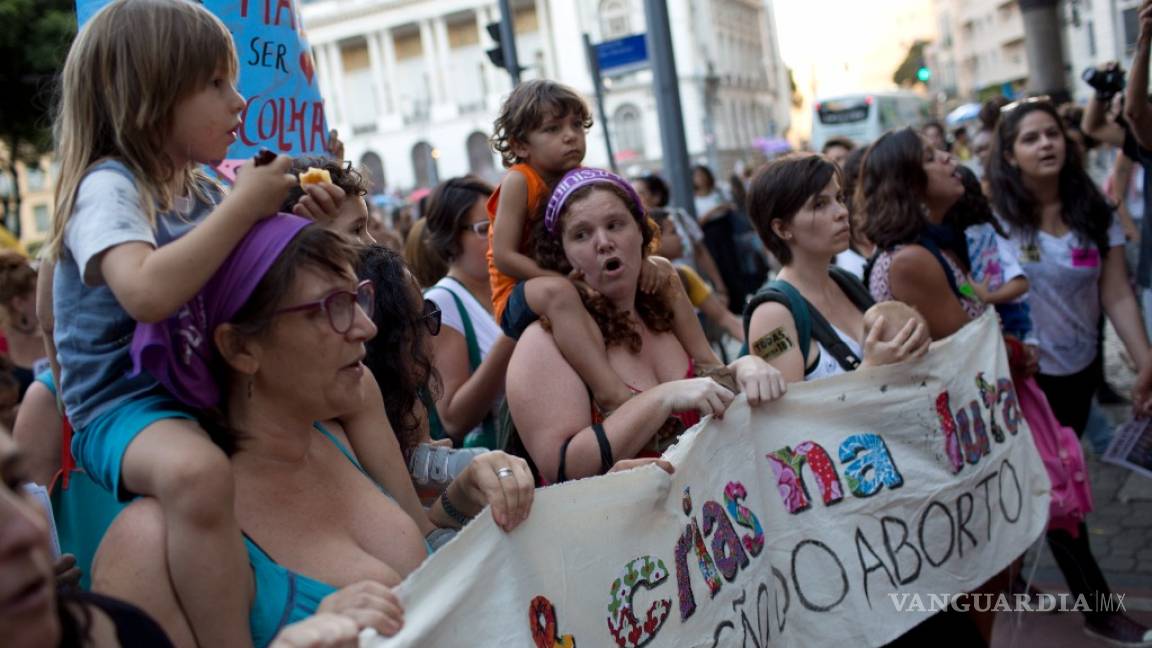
1064,294
852,261
705,204
483,324
827,365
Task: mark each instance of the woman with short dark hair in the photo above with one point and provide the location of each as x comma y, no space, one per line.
471,352
796,204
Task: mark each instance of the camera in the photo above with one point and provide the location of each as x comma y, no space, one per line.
1106,82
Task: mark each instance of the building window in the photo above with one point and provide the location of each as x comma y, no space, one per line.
374,168
1131,28
35,179
629,127
615,18
43,218
424,164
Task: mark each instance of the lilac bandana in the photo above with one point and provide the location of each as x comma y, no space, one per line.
179,352
575,179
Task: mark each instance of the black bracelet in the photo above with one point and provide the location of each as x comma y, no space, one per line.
452,511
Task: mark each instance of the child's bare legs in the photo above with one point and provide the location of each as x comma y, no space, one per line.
577,337
174,461
688,330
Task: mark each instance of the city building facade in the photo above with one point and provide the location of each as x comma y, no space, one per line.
981,53
409,85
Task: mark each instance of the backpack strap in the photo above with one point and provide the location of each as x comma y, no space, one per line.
825,334
851,285
931,246
782,292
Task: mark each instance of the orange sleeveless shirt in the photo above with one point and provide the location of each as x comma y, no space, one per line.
501,283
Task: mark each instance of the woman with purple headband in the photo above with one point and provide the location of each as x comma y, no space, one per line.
271,350
596,228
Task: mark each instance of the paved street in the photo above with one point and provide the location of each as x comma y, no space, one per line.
1121,536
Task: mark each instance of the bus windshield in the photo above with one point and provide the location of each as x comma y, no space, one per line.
843,111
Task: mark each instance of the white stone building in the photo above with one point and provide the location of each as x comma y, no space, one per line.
409,86
981,50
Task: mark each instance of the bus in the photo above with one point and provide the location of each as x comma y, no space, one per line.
864,117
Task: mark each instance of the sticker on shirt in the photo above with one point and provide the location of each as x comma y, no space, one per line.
1086,257
1029,253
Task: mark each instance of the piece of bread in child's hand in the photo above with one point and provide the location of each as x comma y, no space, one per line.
315,176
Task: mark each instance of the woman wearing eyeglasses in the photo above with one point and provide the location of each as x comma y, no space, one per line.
471,352
1071,247
286,369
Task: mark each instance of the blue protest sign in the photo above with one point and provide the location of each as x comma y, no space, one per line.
622,54
284,111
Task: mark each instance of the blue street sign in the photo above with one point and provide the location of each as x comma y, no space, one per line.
622,54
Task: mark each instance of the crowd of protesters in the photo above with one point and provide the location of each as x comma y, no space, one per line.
252,427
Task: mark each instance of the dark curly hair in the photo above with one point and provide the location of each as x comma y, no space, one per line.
891,189
1085,210
526,109
396,356
780,189
353,181
448,208
655,310
972,209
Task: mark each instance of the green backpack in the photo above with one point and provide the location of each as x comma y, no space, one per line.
809,322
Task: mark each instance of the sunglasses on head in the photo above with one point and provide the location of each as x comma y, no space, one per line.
1007,108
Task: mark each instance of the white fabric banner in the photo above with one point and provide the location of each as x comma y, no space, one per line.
786,525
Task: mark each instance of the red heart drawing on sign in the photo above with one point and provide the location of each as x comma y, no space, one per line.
306,66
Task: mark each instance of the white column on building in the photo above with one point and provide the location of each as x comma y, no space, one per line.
443,55
544,20
388,56
325,82
431,63
379,78
336,83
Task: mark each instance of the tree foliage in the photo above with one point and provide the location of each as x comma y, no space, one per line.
905,74
33,44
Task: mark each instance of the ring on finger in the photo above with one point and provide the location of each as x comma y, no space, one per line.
504,472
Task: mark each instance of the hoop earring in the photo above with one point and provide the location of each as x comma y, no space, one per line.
250,382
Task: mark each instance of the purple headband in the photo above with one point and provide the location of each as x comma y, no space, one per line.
575,179
179,351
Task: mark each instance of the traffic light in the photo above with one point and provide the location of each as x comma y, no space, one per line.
496,54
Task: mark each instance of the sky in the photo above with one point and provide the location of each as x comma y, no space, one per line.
845,46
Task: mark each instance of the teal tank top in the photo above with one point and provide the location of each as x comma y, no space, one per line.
283,596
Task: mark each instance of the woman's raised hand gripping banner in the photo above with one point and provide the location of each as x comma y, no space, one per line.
284,111
838,515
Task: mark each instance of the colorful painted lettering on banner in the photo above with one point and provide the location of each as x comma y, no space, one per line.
788,525
284,110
